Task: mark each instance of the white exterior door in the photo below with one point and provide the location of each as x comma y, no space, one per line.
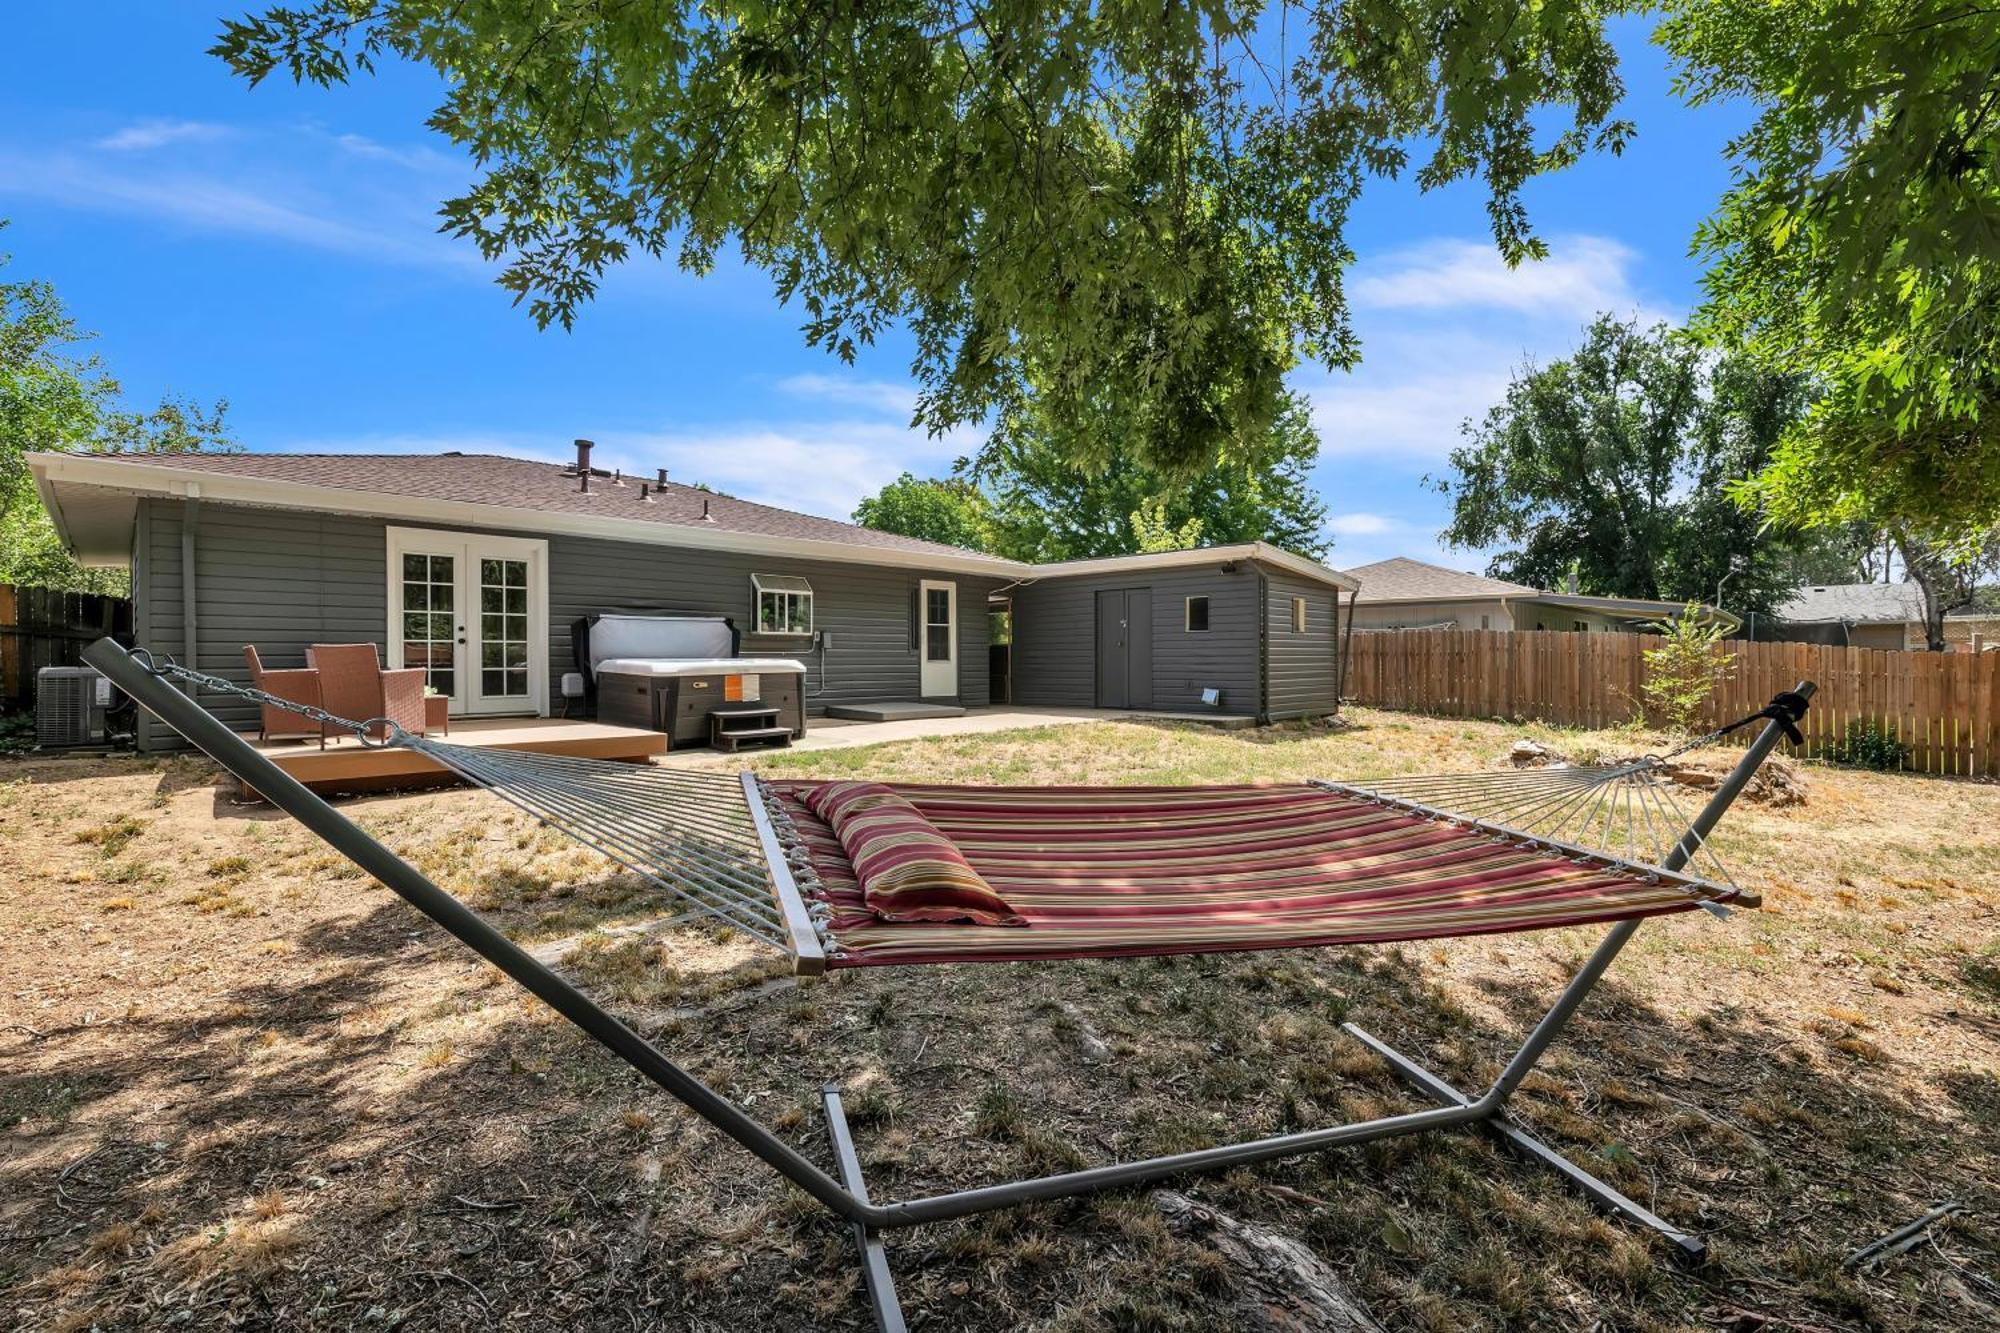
472,610
939,602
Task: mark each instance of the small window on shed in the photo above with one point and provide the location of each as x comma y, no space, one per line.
1298,615
1486,622
784,604
1197,615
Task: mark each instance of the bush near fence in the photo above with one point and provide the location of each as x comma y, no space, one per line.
42,627
1944,708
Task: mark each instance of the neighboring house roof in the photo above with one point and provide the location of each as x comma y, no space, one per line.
93,499
1406,581
1402,579
1853,604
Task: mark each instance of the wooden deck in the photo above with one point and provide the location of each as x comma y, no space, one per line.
347,765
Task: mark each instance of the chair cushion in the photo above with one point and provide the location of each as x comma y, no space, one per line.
908,871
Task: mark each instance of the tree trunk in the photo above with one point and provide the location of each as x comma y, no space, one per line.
1280,1286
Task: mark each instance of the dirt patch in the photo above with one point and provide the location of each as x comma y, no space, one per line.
242,1084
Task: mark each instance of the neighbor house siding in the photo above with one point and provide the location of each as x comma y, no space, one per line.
1424,615
285,579
1055,639
1300,666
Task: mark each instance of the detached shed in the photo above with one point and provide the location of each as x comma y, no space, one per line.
1246,631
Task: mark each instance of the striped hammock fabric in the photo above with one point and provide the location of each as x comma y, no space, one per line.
1107,872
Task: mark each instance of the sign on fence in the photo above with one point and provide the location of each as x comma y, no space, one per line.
1943,707
43,627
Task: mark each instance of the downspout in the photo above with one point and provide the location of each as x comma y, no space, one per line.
190,620
1343,645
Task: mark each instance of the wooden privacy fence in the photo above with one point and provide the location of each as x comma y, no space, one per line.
1943,707
42,627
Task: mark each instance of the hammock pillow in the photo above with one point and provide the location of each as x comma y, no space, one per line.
908,871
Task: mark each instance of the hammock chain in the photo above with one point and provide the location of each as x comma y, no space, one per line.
365,731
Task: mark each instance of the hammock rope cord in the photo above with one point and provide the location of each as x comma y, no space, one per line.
691,832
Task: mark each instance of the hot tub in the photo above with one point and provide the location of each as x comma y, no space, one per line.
668,673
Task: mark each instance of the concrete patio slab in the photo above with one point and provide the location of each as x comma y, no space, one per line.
846,734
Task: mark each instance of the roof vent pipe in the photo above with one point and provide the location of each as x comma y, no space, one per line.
645,493
618,476
704,510
583,448
660,479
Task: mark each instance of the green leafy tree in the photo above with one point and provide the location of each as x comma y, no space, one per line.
1153,532
1861,246
1043,505
951,511
1066,205
1608,470
55,396
1684,665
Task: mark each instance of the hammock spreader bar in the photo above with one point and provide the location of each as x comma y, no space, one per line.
848,1199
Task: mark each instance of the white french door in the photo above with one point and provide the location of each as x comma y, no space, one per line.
939,675
472,610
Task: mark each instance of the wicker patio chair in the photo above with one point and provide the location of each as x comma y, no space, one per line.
298,684
353,684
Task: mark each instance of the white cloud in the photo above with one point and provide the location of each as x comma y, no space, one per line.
1399,415
146,134
416,157
270,206
890,398
1359,525
1581,276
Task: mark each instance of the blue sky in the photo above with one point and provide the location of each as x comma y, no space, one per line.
276,247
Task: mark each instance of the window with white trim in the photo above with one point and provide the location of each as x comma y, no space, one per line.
1197,615
784,604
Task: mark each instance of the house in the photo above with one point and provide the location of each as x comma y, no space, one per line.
1871,615
476,566
1401,593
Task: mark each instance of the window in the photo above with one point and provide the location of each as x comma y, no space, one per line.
1197,615
1486,622
1580,626
784,604
937,624
1298,615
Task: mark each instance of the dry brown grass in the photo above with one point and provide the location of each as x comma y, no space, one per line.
260,1090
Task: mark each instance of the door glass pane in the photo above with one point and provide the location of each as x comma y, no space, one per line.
430,636
503,628
937,624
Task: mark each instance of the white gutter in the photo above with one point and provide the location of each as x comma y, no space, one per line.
127,475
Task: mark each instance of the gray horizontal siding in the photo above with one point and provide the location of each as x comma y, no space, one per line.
276,579
283,580
1055,642
866,610
1301,667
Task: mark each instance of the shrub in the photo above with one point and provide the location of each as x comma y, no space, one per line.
1868,745
1683,669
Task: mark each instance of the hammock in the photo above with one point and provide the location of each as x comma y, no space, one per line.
1093,873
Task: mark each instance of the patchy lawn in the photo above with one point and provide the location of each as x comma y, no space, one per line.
240,1083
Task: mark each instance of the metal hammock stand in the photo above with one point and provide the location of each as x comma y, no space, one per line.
710,840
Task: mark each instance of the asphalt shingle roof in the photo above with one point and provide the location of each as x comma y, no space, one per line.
521,483
1402,579
1855,603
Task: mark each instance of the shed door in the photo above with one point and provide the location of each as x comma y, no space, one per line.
1125,648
